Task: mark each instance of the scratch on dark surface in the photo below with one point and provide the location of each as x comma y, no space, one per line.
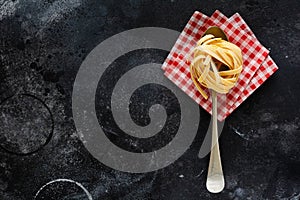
7,8
242,135
57,9
294,197
200,173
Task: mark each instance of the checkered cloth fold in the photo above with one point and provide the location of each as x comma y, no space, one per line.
257,67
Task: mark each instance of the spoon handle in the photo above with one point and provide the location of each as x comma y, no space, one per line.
215,179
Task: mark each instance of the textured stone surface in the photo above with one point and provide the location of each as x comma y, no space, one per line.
42,44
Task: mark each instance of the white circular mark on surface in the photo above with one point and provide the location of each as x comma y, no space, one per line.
89,196
26,124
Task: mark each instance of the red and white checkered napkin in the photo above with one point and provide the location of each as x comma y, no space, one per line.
257,67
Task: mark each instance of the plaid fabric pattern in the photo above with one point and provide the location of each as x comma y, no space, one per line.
257,67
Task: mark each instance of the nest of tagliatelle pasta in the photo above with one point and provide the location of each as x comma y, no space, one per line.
216,64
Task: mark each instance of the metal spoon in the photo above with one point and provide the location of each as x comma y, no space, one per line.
215,179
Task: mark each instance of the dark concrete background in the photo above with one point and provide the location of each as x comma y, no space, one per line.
42,46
